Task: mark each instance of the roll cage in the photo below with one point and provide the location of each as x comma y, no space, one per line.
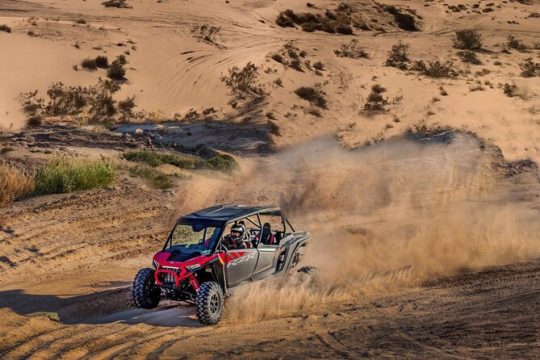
223,215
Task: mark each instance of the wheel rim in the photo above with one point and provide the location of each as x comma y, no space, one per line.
214,303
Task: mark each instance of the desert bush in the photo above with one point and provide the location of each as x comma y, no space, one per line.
5,28
95,102
318,65
116,4
530,68
14,184
375,101
436,68
469,57
102,62
515,43
314,95
340,20
89,64
242,83
222,162
156,178
80,21
116,70
467,39
67,175
351,50
398,56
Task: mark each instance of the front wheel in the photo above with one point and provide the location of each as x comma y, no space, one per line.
209,302
146,293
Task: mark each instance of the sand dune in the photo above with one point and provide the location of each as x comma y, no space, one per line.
424,215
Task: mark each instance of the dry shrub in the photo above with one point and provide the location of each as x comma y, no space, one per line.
95,102
340,20
315,95
530,68
242,83
467,39
398,56
14,184
515,43
89,64
5,28
102,62
469,57
116,4
436,69
351,50
117,71
375,101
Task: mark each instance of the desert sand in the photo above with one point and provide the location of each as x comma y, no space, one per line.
424,214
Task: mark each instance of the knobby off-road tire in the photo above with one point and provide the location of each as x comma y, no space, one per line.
145,293
209,302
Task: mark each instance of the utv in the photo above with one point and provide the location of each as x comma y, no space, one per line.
197,266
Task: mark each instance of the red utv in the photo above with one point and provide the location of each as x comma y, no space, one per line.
198,265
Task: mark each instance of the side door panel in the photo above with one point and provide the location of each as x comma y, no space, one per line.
240,265
267,255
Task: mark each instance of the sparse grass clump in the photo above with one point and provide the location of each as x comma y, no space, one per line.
222,162
352,51
67,175
242,83
5,28
469,57
315,95
14,184
398,56
468,39
156,178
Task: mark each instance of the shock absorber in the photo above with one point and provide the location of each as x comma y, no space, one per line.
194,282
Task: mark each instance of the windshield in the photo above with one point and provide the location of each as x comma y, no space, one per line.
195,237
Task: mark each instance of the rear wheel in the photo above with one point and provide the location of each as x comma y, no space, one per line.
146,293
209,302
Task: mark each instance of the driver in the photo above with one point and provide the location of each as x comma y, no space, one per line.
237,238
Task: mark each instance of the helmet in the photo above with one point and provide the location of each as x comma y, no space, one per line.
239,228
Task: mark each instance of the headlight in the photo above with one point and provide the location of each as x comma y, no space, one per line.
193,267
155,264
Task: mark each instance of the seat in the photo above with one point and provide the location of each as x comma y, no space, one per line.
267,238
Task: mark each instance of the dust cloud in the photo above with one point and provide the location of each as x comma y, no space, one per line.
381,218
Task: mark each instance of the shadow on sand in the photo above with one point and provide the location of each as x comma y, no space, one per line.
100,307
